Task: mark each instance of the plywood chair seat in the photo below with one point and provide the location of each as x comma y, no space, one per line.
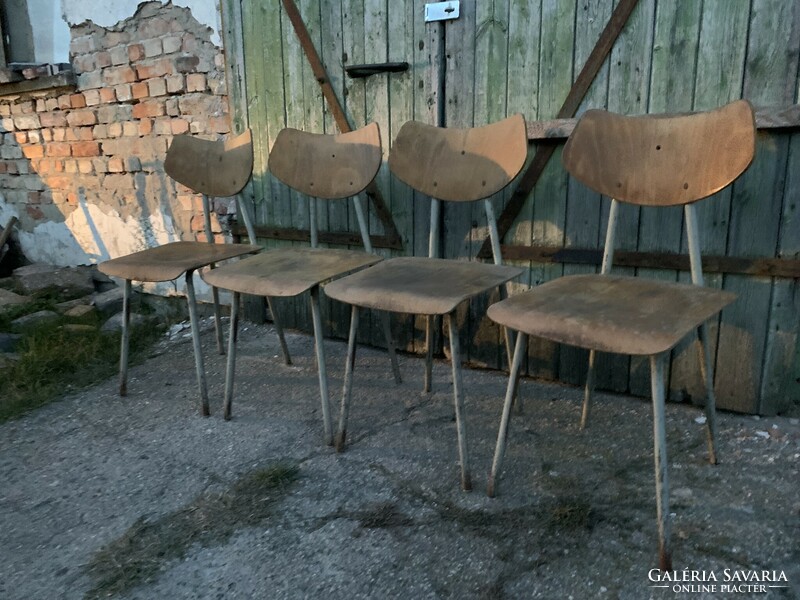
419,285
288,272
168,262
611,313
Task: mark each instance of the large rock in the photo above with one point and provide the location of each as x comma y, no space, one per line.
109,302
9,341
115,322
72,281
36,318
9,298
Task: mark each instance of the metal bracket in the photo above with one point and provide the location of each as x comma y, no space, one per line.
442,11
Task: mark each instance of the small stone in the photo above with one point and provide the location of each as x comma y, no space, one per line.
36,318
762,434
115,322
701,420
81,310
63,307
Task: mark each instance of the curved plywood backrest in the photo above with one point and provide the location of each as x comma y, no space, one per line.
215,168
459,164
661,160
327,166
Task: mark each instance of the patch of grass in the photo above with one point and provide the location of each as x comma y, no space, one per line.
137,557
54,360
383,515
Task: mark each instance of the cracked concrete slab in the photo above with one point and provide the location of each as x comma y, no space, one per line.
574,516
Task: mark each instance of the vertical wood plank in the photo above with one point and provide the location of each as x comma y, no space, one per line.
584,206
720,76
549,196
672,82
756,207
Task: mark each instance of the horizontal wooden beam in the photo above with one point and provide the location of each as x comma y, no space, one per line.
46,82
763,267
773,117
340,238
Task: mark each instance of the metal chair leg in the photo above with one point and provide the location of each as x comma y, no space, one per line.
198,352
429,342
502,433
458,398
587,391
230,369
322,371
287,358
661,462
707,372
218,322
125,340
387,332
347,388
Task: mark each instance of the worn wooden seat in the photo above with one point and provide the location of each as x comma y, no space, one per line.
212,168
445,164
649,161
320,166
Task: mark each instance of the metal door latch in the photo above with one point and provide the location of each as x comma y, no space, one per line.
442,11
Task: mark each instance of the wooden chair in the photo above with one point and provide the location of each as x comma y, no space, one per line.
445,164
648,161
213,168
320,166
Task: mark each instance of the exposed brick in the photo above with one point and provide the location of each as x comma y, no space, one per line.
33,182
172,44
47,135
6,124
59,134
27,122
159,68
196,127
151,108
34,197
162,126
123,92
198,223
64,102
157,87
112,147
152,48
190,202
82,45
200,104
100,131
88,148
40,105
99,165
5,110
118,75
53,119
77,101
43,167
91,97
172,108
186,64
196,82
175,84
23,167
21,137
130,128
219,61
133,164
91,80
51,104
3,166
85,167
153,27
80,118
135,52
34,212
116,165
33,151
22,108
11,152
118,182
119,55
103,60
107,95
11,168
70,166
58,149
115,38
111,113
114,130
189,43
179,126
139,90
145,126
217,86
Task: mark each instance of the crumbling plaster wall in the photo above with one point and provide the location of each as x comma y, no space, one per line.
83,169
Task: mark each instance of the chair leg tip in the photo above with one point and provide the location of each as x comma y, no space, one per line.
490,488
339,445
665,560
466,482
205,411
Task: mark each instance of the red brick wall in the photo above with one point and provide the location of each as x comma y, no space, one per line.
153,76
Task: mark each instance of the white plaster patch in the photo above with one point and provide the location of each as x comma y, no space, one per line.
110,12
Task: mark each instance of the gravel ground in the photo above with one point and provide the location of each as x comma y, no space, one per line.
97,482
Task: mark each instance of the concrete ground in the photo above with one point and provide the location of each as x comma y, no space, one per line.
140,497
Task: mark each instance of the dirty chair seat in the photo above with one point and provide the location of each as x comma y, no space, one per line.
417,285
611,313
168,262
288,271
